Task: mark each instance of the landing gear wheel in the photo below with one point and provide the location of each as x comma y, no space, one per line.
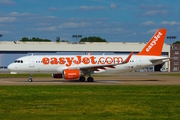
82,79
30,80
90,79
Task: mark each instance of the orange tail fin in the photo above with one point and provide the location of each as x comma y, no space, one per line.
155,45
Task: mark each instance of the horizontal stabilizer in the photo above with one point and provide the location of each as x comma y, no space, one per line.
155,61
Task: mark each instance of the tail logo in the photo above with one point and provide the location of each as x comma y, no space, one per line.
153,43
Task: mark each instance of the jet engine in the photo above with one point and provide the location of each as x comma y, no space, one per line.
71,74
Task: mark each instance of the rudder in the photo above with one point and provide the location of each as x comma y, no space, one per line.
155,45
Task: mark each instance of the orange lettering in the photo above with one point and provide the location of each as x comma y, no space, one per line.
61,60
79,60
114,58
109,62
69,61
86,60
93,59
45,61
102,61
54,61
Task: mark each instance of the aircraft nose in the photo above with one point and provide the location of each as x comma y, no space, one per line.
10,67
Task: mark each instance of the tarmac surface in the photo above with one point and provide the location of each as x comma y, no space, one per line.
121,79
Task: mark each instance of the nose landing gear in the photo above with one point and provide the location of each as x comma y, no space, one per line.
30,78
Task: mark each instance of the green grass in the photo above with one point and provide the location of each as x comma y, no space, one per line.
89,102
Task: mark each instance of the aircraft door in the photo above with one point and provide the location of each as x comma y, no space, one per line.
31,62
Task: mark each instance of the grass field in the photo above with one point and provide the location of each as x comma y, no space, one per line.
89,102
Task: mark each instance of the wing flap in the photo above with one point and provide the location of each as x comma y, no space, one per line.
99,67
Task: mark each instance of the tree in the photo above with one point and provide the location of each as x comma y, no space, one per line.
177,42
24,39
64,40
34,39
57,39
47,40
92,39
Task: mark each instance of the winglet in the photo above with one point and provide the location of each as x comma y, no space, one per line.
155,45
128,58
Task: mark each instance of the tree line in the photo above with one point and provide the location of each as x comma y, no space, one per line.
85,39
34,39
92,39
177,42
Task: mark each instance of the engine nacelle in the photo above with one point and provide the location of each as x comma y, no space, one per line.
57,76
71,74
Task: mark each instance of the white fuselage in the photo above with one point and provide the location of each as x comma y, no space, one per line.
56,64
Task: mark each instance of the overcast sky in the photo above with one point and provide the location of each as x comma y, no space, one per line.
113,20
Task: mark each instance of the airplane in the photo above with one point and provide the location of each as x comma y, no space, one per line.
78,66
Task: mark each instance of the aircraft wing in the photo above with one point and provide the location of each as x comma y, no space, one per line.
109,65
92,68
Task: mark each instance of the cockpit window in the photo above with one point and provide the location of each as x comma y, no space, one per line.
18,61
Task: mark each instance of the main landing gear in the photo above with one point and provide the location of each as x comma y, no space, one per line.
89,79
82,79
30,78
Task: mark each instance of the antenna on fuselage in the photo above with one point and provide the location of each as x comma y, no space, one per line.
89,53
